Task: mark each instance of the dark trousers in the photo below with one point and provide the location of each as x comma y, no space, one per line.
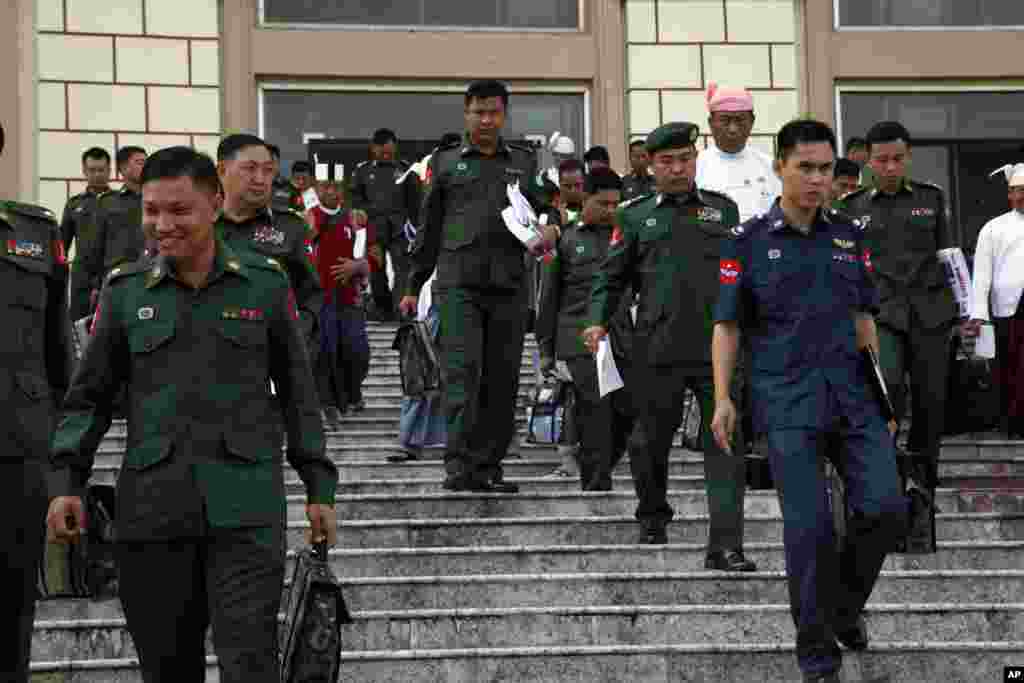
23,506
481,346
828,590
602,430
397,250
1008,372
924,353
344,358
659,415
79,292
173,590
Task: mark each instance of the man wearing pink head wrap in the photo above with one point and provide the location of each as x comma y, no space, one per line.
731,166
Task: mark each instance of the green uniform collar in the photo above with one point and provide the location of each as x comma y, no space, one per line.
905,186
470,148
680,199
224,261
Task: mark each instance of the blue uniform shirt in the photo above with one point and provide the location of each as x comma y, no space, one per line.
794,298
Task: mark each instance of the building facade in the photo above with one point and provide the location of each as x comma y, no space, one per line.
161,72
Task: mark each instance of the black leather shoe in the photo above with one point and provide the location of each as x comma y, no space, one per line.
830,677
456,483
495,486
653,535
854,637
729,561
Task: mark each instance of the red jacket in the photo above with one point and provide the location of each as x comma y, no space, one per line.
333,237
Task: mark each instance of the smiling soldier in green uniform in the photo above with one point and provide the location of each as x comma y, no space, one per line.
666,245
194,334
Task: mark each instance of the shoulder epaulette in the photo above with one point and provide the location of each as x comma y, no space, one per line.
855,193
931,186
30,210
716,193
362,163
263,262
630,202
520,146
451,144
133,268
840,216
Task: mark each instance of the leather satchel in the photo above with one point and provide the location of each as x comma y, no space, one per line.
417,359
312,630
86,568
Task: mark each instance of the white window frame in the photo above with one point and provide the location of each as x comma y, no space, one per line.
581,25
840,27
387,86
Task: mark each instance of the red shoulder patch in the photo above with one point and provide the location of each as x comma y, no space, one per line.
865,257
617,236
729,271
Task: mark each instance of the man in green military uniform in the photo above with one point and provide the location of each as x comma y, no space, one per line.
117,224
284,195
562,317
666,245
77,223
36,348
639,181
904,226
389,193
195,333
248,223
481,276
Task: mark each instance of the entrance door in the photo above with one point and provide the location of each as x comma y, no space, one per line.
982,198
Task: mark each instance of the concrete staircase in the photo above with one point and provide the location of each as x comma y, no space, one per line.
547,586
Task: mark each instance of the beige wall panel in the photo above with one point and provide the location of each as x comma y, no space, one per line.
53,194
640,21
762,21
50,15
685,105
106,16
207,143
60,154
644,111
151,142
205,62
51,105
76,58
184,110
774,109
784,66
737,65
152,60
691,21
107,107
77,186
664,66
194,18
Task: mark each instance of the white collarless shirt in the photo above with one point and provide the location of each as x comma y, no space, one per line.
998,267
747,178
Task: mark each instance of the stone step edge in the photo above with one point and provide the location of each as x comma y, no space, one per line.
609,547
880,647
586,611
598,519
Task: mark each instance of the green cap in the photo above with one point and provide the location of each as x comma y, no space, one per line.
672,135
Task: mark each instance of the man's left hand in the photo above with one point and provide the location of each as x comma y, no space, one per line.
323,524
360,218
345,269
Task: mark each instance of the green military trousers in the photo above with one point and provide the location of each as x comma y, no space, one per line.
659,414
482,334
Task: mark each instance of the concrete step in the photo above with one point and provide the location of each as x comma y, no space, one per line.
434,504
601,530
605,625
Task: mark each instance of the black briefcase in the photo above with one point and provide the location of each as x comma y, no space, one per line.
417,359
972,397
86,568
311,651
548,411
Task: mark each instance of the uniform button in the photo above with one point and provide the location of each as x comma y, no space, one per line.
148,345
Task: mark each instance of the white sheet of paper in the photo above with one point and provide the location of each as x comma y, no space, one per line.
359,248
958,276
985,347
526,234
524,213
608,377
310,199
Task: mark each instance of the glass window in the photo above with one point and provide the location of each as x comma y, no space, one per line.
288,114
533,14
931,13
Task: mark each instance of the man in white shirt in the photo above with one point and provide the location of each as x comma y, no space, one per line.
731,166
996,296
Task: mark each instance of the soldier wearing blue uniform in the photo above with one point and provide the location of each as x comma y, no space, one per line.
795,288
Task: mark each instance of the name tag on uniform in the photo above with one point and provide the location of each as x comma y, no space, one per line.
147,313
844,258
922,213
706,213
268,235
238,313
774,254
25,248
842,244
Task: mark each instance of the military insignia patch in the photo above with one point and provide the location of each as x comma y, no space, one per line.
922,213
580,249
250,313
651,222
842,244
25,248
231,313
708,214
616,236
844,258
147,313
774,254
461,166
865,221
865,258
268,235
737,231
233,265
729,271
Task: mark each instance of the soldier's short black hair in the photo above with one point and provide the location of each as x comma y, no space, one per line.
856,142
449,139
96,154
384,136
846,167
602,179
274,150
486,89
231,145
302,167
570,166
597,153
887,131
125,154
182,162
802,131
639,142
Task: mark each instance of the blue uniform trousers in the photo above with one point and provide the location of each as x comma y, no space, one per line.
827,590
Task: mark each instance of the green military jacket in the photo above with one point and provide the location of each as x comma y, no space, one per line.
568,278
204,437
461,230
35,340
903,231
284,236
634,186
116,234
77,221
667,248
283,195
389,194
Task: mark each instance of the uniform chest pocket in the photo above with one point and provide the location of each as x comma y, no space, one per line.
462,187
244,334
147,337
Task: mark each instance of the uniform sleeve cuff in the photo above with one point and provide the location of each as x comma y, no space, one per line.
64,481
322,490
